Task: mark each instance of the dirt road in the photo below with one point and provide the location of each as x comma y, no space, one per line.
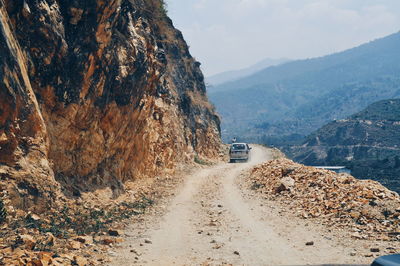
210,221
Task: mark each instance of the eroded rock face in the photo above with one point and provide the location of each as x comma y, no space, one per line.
98,92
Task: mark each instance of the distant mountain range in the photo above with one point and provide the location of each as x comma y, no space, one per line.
368,143
281,104
241,73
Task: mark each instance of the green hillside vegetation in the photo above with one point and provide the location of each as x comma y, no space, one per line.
368,143
300,96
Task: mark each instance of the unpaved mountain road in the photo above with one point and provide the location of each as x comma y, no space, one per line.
211,221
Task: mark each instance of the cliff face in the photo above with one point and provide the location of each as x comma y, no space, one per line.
368,143
95,93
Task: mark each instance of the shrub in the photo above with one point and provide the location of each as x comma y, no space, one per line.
163,7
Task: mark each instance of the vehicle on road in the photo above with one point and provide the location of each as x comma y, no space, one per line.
239,152
388,260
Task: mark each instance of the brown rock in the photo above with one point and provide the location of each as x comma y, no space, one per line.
35,217
119,240
28,241
115,232
286,184
76,15
46,258
80,261
49,239
212,224
35,262
73,244
85,239
355,215
108,241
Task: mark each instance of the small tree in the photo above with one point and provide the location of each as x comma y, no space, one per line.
163,7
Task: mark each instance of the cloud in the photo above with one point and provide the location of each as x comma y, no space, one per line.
231,34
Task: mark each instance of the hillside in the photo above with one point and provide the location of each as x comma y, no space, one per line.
233,75
367,142
299,96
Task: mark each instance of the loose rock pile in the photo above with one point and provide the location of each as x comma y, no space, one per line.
365,207
77,234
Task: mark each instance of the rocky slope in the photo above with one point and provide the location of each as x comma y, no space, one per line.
93,94
368,143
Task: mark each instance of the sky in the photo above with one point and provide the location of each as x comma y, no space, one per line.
233,34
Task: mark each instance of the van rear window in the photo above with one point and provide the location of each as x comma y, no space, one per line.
238,147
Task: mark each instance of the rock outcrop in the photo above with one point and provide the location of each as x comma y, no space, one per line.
368,143
95,93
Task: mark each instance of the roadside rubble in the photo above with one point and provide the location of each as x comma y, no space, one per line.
81,231
365,208
73,235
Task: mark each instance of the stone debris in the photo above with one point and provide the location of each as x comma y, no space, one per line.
375,250
76,234
115,232
85,239
28,241
74,244
364,207
80,261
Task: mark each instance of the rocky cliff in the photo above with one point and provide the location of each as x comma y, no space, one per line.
95,93
368,143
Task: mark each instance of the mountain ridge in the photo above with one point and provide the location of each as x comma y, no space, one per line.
233,75
276,95
366,142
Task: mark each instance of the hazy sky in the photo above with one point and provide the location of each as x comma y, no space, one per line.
232,34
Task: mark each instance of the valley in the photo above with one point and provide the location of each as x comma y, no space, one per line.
287,102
